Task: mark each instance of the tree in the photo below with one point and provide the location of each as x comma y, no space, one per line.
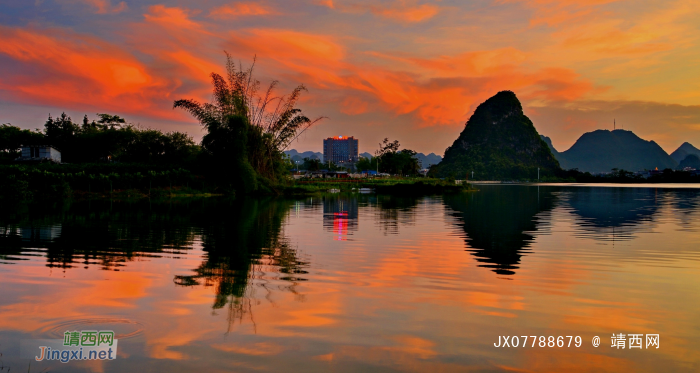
226,147
395,161
60,132
273,121
12,138
367,164
311,164
387,147
110,121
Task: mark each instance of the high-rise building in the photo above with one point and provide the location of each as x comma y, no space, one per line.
340,149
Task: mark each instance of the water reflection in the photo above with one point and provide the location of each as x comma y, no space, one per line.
499,222
609,214
401,295
94,233
396,211
686,203
242,240
245,245
340,215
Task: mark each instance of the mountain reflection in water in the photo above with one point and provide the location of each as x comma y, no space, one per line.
498,224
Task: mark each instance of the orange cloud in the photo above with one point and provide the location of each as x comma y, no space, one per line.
438,91
240,9
76,70
557,12
318,58
408,14
589,30
354,106
170,17
401,10
434,77
328,3
444,90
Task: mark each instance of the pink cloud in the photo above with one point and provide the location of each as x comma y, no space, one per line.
102,6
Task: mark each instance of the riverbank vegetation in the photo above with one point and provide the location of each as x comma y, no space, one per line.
396,185
389,158
622,176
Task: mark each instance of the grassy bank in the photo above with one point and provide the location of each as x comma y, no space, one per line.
134,181
47,181
398,186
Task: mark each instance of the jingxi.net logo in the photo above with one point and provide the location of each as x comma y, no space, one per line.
76,345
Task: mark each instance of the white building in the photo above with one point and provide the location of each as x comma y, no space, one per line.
39,153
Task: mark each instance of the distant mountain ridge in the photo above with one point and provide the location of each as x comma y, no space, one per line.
499,142
602,150
692,161
297,156
683,151
428,160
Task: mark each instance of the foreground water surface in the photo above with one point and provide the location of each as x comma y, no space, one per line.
360,282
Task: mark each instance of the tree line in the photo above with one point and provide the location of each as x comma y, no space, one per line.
246,132
109,138
389,158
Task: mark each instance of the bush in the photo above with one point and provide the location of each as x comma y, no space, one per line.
14,189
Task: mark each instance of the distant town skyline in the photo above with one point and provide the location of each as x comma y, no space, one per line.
408,70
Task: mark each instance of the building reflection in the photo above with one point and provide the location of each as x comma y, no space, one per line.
340,215
40,233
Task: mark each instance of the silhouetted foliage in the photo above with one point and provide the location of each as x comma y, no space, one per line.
311,164
12,138
272,122
111,139
392,160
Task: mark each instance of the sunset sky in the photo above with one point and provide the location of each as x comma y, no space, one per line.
407,70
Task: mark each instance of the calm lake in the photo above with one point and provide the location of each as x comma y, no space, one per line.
361,282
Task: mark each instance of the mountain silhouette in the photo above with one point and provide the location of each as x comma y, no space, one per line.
684,151
498,142
299,156
692,161
426,161
548,141
603,150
